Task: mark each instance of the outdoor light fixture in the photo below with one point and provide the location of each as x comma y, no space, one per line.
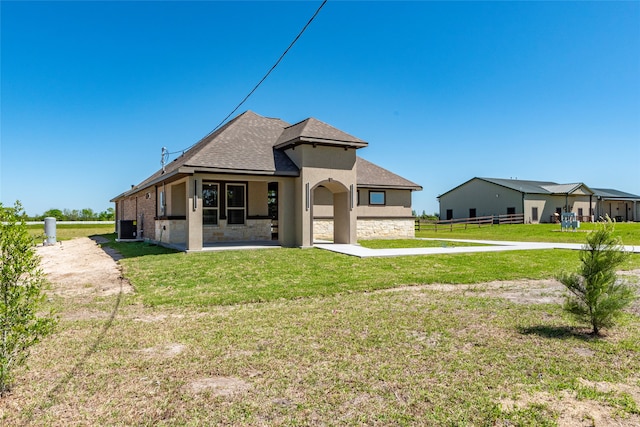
351,197
195,194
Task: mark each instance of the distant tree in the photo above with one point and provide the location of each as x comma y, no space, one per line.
597,295
108,215
54,213
22,323
71,215
87,214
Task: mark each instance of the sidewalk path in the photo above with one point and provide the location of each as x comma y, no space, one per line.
492,246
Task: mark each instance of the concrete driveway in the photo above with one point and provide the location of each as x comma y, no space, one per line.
491,246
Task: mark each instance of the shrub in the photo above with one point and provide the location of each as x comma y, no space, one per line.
597,295
21,296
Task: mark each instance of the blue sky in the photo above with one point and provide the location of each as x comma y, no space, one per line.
442,91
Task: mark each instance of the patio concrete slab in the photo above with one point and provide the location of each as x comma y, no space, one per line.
230,246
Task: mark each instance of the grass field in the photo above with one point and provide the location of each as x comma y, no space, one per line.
70,231
629,233
310,337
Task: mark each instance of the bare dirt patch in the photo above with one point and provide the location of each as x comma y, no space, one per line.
164,351
79,267
219,386
544,291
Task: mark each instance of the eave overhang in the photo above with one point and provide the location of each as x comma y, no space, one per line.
184,171
306,140
391,187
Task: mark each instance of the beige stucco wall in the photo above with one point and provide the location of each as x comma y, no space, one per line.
178,199
398,204
333,168
393,197
257,200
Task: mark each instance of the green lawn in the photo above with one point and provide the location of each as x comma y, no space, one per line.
70,231
234,277
628,232
311,337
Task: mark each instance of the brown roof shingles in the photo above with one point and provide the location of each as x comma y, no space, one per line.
249,143
315,130
372,175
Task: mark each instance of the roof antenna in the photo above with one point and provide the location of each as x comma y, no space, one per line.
164,158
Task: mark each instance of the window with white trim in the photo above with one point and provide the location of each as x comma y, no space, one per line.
236,204
210,203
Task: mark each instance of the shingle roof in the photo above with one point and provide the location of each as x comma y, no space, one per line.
251,143
371,175
315,131
244,143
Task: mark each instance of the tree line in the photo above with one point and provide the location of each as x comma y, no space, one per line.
425,216
86,214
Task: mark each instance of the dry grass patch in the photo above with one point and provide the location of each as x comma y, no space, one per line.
573,409
219,386
411,357
163,350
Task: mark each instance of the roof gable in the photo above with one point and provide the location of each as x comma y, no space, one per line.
313,131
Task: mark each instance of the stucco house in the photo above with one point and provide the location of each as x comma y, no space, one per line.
538,201
263,179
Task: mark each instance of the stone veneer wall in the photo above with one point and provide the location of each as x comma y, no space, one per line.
322,229
369,228
254,229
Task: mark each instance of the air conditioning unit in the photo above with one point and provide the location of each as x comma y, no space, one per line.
127,230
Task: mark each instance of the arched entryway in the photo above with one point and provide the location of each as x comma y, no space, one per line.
331,212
